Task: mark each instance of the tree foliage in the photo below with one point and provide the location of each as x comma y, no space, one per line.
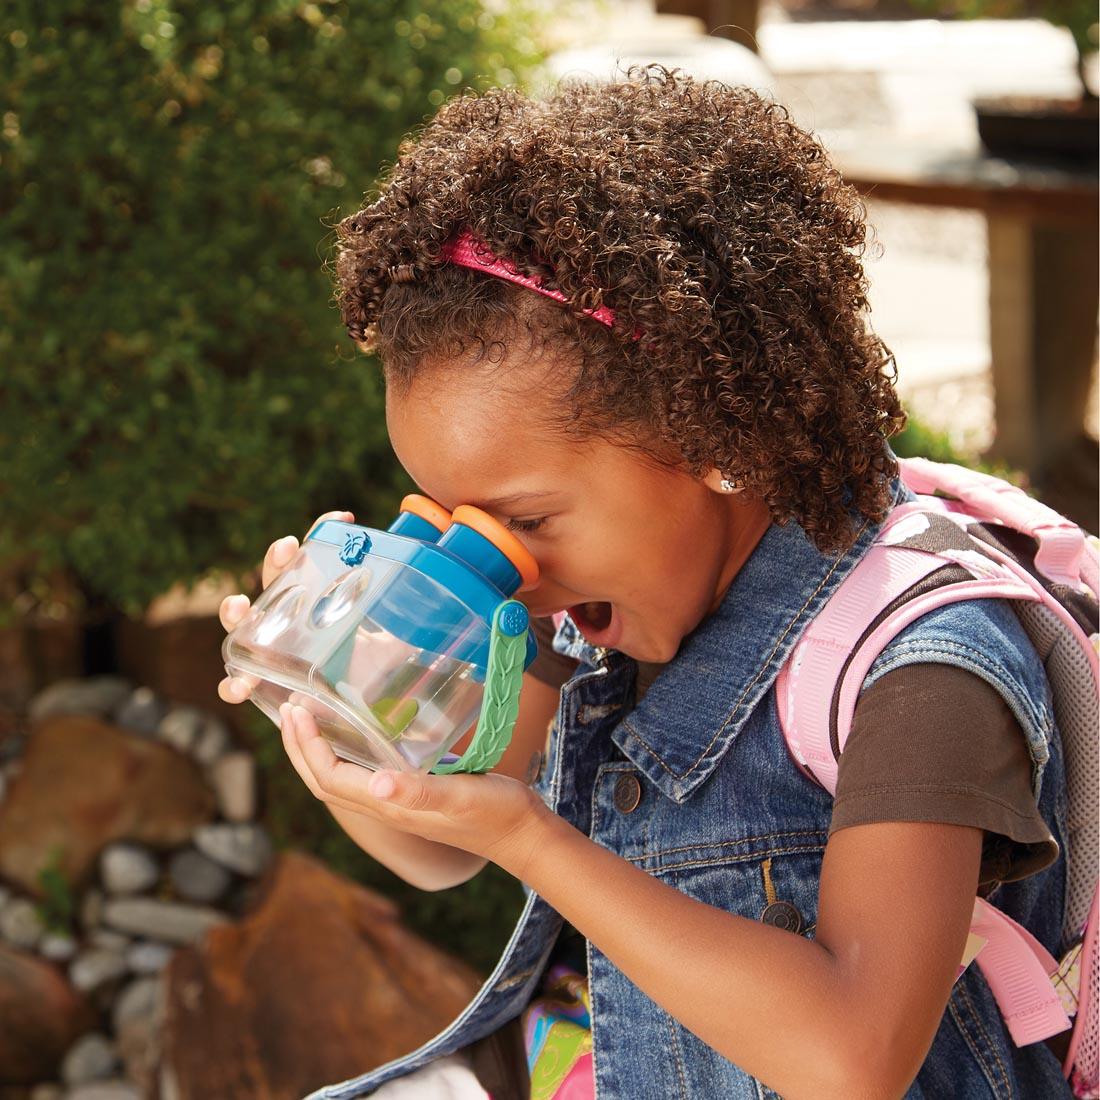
175,387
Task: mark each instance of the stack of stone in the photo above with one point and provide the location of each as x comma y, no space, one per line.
177,974
146,812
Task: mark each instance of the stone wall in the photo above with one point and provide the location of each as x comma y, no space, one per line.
152,944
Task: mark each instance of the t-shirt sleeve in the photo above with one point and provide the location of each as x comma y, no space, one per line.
932,742
549,667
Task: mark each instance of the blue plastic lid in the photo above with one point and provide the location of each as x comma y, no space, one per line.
477,551
414,527
428,604
421,518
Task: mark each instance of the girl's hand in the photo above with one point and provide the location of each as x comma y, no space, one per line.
237,689
491,815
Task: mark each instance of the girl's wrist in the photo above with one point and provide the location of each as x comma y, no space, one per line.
536,849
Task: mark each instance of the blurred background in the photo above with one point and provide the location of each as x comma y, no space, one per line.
179,918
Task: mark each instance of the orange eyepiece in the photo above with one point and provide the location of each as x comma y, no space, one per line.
502,539
428,510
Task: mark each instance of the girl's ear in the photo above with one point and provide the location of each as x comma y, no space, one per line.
719,483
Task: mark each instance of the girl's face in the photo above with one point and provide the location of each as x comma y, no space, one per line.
638,554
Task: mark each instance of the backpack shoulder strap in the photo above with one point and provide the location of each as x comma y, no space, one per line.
1064,554
921,560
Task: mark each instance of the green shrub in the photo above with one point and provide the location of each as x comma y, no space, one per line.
918,440
175,387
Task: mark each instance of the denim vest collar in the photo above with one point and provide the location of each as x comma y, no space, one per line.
696,707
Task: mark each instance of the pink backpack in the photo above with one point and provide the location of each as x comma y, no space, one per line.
1002,544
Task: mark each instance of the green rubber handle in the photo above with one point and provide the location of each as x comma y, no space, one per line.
500,703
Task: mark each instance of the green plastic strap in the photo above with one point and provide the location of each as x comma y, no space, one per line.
500,703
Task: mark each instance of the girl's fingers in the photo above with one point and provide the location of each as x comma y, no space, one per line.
345,517
289,730
387,795
290,745
281,552
236,689
277,558
232,610
338,781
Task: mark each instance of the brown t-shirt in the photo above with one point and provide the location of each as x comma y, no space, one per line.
929,742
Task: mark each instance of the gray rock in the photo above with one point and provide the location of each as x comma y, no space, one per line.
141,712
181,728
115,1089
90,1058
110,941
167,921
149,958
47,1091
234,778
97,695
213,741
196,877
91,908
95,967
5,895
20,924
57,947
127,868
140,1000
242,848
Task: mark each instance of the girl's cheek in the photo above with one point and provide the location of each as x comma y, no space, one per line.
583,560
552,556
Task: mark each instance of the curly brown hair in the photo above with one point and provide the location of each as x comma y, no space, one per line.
707,221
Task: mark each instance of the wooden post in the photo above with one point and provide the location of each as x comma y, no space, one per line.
736,20
1043,292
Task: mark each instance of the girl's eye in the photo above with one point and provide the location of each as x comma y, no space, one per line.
525,524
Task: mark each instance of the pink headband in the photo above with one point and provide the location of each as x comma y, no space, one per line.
467,251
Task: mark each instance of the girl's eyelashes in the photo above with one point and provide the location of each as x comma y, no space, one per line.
525,524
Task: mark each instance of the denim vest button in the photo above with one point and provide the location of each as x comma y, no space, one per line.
782,915
628,793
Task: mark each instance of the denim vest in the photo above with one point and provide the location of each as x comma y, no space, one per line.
720,795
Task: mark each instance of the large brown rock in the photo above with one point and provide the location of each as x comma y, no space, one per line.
41,1015
85,783
319,983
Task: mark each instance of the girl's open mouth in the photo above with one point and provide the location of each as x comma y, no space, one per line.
599,622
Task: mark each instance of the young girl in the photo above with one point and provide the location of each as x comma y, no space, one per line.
630,323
